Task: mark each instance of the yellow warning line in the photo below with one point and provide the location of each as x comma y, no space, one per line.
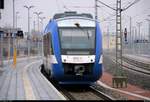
15,58
28,89
27,85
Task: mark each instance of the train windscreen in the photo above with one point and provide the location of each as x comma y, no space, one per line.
77,41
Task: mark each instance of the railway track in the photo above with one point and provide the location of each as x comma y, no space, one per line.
89,93
79,92
134,65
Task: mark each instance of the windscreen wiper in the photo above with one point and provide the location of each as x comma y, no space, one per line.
78,26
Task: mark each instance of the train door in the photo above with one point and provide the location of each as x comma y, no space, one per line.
47,41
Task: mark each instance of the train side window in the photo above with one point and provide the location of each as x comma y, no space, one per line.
45,45
48,50
48,43
51,46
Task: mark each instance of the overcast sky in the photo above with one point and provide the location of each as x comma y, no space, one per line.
138,12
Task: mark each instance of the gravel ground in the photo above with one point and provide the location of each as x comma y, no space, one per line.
110,93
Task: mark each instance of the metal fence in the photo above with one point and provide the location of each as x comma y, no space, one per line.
7,48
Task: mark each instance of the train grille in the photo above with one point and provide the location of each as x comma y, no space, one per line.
78,69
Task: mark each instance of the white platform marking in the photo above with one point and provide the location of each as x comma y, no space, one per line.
27,85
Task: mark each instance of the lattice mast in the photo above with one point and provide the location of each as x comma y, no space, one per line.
95,10
118,36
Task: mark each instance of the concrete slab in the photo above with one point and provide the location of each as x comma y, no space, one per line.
26,83
20,87
43,90
5,87
12,87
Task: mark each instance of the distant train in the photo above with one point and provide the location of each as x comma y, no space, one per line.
73,49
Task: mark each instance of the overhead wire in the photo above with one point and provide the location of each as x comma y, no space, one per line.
81,6
106,5
136,1
112,15
58,7
64,6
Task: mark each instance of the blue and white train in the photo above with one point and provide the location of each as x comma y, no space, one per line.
73,49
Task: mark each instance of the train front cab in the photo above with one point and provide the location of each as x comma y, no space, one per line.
79,72
72,73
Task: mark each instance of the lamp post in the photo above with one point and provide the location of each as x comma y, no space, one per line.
148,31
13,14
42,18
16,18
38,16
1,49
14,40
1,44
130,34
28,8
133,39
148,28
139,27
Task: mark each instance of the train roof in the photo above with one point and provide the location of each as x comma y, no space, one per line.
72,14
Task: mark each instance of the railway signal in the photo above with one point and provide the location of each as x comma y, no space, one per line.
1,4
125,34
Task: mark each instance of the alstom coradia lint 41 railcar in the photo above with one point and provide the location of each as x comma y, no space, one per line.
73,48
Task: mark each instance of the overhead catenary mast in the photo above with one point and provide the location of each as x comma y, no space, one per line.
118,71
95,10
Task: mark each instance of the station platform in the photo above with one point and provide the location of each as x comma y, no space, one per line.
25,82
